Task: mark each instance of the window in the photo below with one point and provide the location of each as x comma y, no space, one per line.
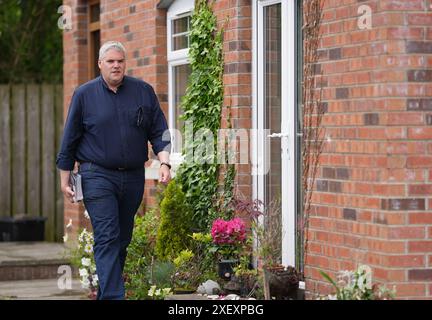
178,29
180,33
94,42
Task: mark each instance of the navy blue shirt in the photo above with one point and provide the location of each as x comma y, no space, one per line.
113,129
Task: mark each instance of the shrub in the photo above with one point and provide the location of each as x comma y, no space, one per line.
140,254
204,255
172,234
186,272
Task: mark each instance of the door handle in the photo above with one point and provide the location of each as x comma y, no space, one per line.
281,135
278,135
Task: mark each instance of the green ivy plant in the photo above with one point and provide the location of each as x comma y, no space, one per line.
202,105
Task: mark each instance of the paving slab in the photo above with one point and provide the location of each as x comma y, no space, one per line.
45,289
32,253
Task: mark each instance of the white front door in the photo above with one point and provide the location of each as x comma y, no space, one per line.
274,113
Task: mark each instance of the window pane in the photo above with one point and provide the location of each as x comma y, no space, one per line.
180,77
180,33
181,25
180,42
94,12
95,39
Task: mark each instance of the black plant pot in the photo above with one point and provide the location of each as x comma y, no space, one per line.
22,228
225,268
283,285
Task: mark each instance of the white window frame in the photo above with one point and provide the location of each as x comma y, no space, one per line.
177,10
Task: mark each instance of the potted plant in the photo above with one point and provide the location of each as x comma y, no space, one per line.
279,281
22,228
246,276
228,239
283,283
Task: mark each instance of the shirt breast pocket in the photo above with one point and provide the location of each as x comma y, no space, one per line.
141,118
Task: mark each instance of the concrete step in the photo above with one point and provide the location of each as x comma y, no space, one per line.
32,260
42,289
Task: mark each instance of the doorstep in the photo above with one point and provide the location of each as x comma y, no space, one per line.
31,260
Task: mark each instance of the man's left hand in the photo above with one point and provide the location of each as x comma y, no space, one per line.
164,174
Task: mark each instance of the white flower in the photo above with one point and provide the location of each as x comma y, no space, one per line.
82,235
166,291
93,268
83,272
65,237
86,262
69,224
88,248
158,292
151,291
95,280
85,282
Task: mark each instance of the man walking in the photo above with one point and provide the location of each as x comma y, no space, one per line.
109,123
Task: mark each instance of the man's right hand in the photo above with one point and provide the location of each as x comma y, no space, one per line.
65,187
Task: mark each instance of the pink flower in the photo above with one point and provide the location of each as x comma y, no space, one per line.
228,232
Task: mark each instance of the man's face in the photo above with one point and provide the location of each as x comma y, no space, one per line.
112,67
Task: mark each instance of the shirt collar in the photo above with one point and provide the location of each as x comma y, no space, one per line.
106,85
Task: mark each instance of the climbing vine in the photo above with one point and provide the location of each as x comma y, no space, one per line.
312,113
202,106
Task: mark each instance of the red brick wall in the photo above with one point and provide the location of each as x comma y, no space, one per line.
235,16
373,203
75,73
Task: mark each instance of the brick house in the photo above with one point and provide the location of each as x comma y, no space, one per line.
372,203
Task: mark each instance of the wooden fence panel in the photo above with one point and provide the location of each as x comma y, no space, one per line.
48,161
33,150
31,126
58,135
18,150
5,146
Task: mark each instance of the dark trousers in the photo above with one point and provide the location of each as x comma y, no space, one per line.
112,198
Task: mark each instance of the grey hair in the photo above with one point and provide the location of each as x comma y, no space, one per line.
111,45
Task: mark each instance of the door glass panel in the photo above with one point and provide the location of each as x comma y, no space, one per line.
273,113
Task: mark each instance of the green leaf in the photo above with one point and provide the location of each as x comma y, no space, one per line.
328,278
